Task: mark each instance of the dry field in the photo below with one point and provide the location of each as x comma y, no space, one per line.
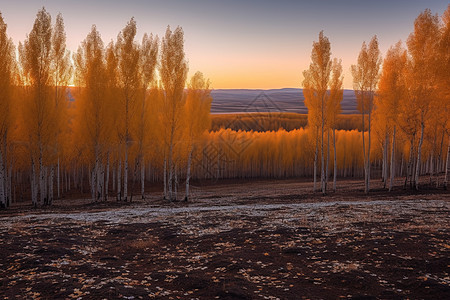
251,240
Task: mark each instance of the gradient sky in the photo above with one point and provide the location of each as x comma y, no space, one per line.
238,44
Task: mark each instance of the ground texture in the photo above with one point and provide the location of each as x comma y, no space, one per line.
259,240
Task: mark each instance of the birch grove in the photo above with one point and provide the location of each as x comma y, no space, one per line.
114,120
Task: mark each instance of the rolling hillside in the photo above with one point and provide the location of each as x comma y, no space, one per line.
277,100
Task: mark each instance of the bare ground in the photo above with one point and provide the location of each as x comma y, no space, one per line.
257,240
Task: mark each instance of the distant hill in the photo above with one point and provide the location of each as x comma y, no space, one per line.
276,100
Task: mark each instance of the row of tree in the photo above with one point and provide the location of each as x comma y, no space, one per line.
130,119
410,93
119,109
227,153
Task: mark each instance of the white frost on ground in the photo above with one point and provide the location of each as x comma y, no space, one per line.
317,212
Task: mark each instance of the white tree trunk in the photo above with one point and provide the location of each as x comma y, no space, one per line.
176,183
94,183
419,153
368,157
335,160
50,185
315,166
143,180
101,184
107,180
2,182
68,180
391,182
58,180
188,175
385,164
165,177
447,165
41,178
119,179
328,159
45,191
170,172
322,173
81,179
125,175
34,184
364,144
113,179
9,198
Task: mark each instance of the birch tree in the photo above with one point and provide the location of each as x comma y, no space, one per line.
313,107
115,142
148,62
61,71
392,92
317,79
422,46
365,78
7,73
334,104
128,54
93,117
197,116
173,73
444,83
35,59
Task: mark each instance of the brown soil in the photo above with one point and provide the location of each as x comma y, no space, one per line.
258,240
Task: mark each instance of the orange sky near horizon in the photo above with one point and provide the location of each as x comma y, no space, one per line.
238,44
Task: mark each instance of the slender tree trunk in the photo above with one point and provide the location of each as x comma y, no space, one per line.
188,175
315,166
9,198
45,185
101,182
93,182
447,165
391,182
165,177
384,165
409,165
328,159
439,160
419,153
50,185
119,180
82,179
368,157
2,182
34,184
114,178
431,166
335,160
125,174
176,182
364,146
142,180
322,174
58,180
107,178
401,164
171,172
41,177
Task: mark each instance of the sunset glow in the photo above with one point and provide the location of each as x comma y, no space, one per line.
238,44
